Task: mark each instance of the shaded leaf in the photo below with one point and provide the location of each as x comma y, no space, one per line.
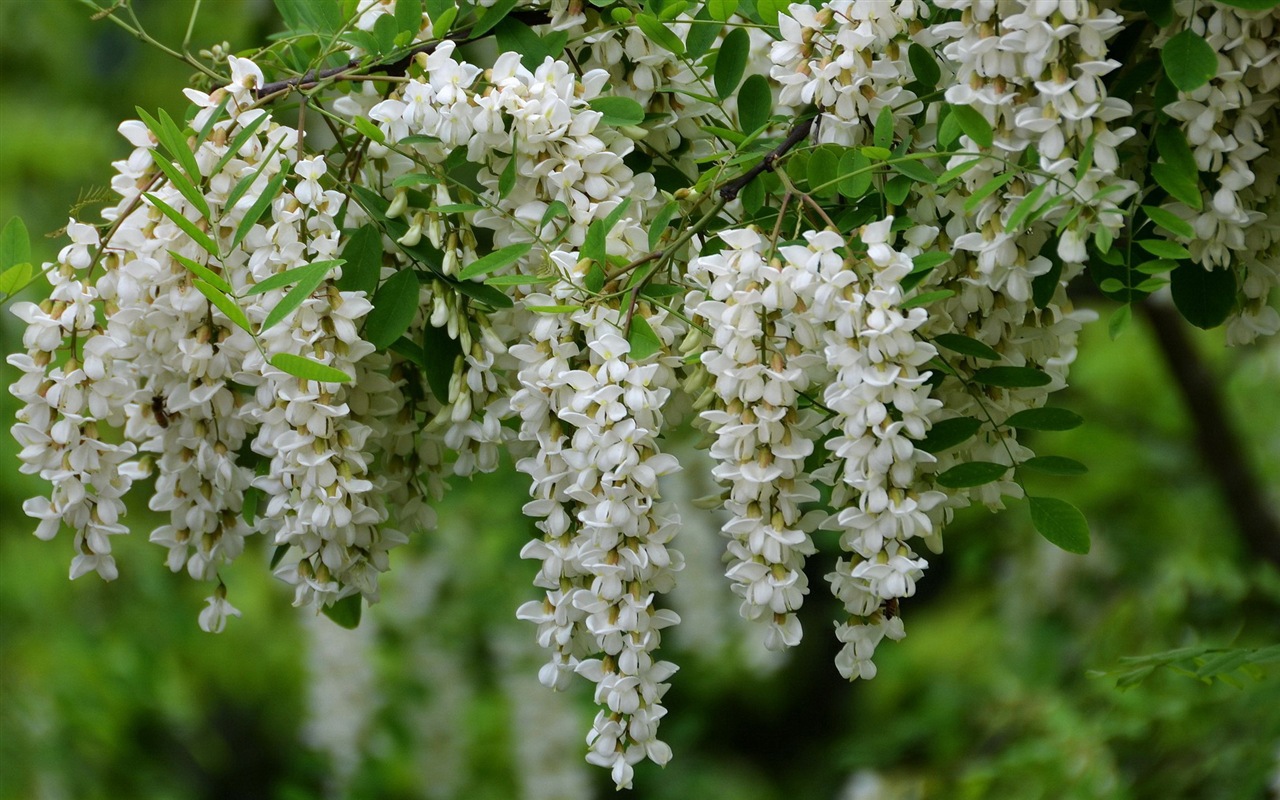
1061,523
972,473
394,307
1045,419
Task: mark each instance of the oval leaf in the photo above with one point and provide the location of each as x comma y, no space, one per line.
618,111
731,62
974,473
755,103
394,307
1204,297
948,433
1055,465
644,342
1011,377
494,261
346,612
1189,61
966,346
1045,419
1061,523
974,125
15,244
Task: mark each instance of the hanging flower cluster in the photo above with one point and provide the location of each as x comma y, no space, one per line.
848,249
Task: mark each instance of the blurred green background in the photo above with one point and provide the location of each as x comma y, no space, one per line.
112,691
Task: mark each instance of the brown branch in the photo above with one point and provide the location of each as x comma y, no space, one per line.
797,135
1216,440
313,77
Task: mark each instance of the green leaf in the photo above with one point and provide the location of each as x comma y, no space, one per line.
755,103
394,307
948,130
1162,248
182,184
660,222
618,111
15,278
1174,150
15,244
897,189
915,169
1170,222
1119,321
440,352
1180,184
1111,285
1026,205
307,369
924,65
986,190
1189,60
346,612
1151,284
491,16
721,10
1061,523
882,133
307,274
259,207
644,342
203,273
238,142
1055,465
495,261
278,554
973,124
482,293
520,280
224,304
363,257
308,278
1160,12
507,181
948,433
661,290
556,209
966,346
972,473
516,37
702,36
1011,377
188,227
731,62
877,153
1204,297
855,174
770,9
659,33
202,135
1045,419
369,130
927,298
824,166
958,170
556,309
408,16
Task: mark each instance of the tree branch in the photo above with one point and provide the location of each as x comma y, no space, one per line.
1216,440
797,135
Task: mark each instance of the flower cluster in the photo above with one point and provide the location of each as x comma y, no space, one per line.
761,356
302,332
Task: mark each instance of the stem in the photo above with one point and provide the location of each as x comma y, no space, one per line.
799,133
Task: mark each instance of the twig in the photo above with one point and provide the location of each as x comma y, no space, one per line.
798,134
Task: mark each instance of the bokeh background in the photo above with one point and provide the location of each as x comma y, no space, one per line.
112,691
